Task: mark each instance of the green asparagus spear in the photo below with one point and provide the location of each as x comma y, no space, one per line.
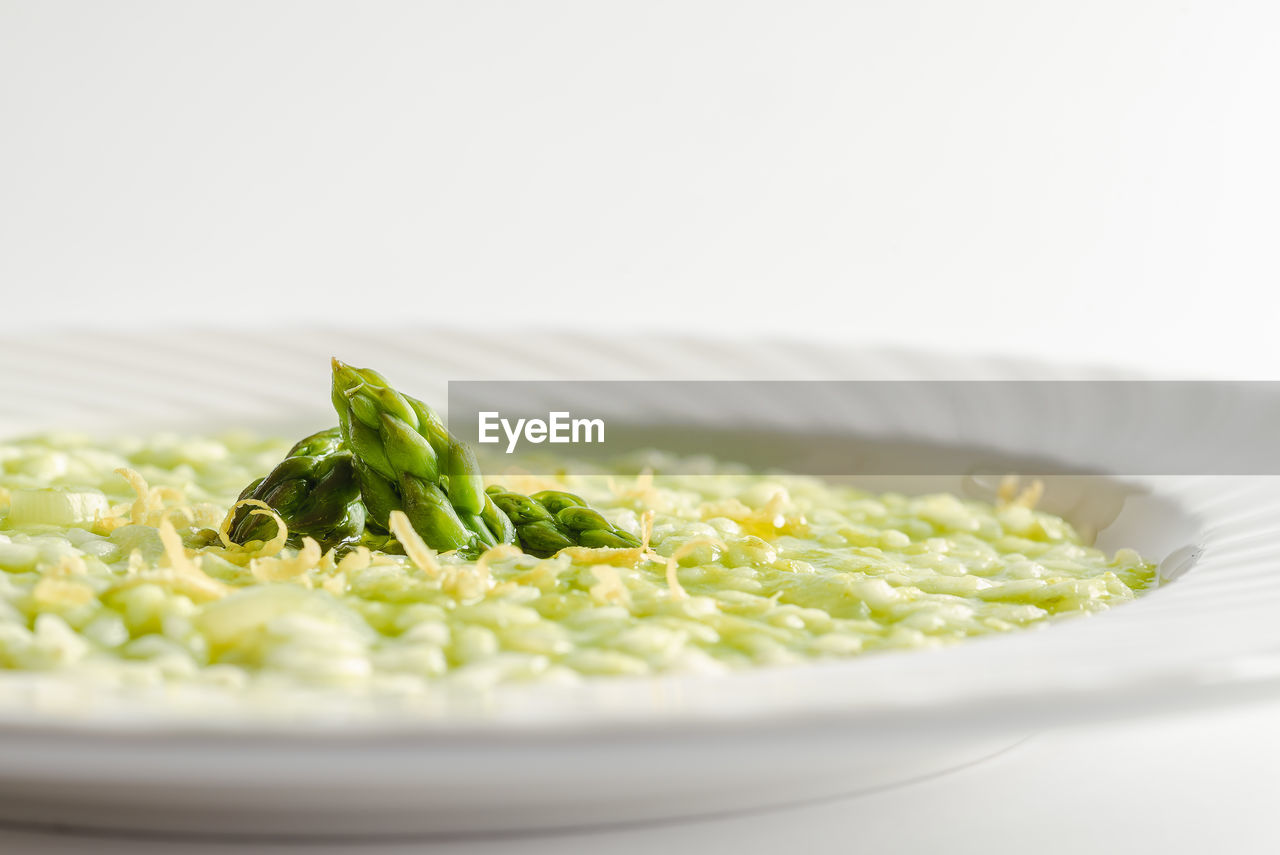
406,459
549,521
392,452
314,490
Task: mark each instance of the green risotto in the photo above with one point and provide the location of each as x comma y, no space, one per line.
113,558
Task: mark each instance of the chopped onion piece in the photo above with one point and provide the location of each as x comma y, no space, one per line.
56,506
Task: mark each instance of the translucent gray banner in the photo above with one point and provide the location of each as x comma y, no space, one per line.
877,428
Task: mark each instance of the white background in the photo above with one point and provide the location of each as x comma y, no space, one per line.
1095,179
1092,181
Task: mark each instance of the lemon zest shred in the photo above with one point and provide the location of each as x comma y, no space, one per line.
275,544
141,504
181,573
625,555
173,548
148,504
414,546
673,562
104,524
238,553
224,529
273,568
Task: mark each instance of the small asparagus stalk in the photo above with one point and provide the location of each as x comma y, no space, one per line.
552,520
314,490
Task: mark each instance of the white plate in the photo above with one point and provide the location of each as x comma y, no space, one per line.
613,750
